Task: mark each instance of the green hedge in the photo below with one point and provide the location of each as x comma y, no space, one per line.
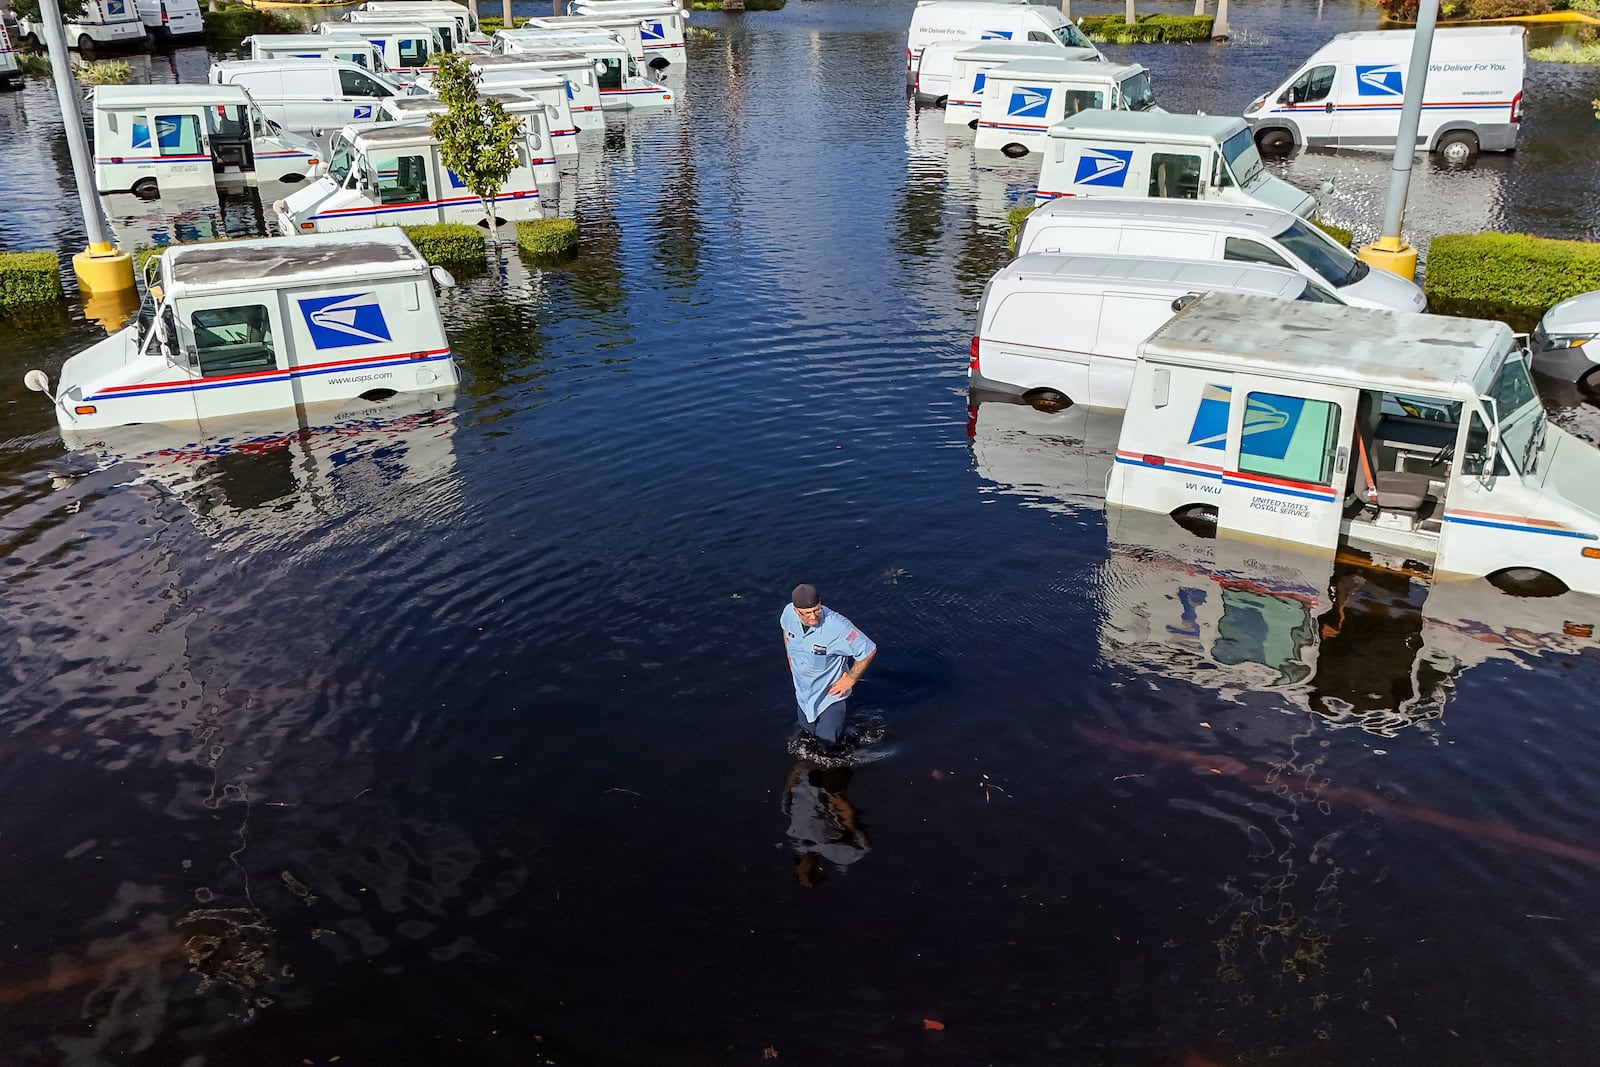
29,278
1507,276
239,20
1014,219
448,242
1149,29
749,5
1338,233
547,237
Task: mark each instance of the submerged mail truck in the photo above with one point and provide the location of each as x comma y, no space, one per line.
969,73
548,97
262,325
102,24
992,20
344,48
149,139
391,174
408,47
1065,329
1150,154
616,74
625,27
660,25
1024,98
1407,437
1348,94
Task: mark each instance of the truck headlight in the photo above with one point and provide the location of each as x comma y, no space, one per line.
1556,341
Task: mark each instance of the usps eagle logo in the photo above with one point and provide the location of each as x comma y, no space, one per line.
1103,166
363,111
344,321
1380,81
1028,102
653,31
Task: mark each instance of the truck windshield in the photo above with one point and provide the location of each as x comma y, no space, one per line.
1136,94
1243,159
1521,414
1319,252
1072,37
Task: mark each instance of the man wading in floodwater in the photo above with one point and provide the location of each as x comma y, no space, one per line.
827,657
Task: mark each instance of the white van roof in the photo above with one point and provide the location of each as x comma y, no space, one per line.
1002,50
381,134
309,40
1387,46
1047,69
266,262
972,4
1326,343
113,97
1177,276
1099,124
1199,214
380,29
236,66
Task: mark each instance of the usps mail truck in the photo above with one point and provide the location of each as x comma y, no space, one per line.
624,26
103,24
347,49
547,96
531,70
619,81
660,25
992,20
1349,93
442,22
1151,154
1024,98
10,70
969,73
466,21
407,46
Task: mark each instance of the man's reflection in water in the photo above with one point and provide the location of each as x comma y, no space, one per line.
822,824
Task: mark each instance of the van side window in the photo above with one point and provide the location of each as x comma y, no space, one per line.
1243,250
233,340
178,135
1083,100
1174,177
358,58
401,179
609,72
354,83
1312,86
1289,437
1041,37
413,52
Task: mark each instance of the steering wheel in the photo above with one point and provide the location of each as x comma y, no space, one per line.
1445,456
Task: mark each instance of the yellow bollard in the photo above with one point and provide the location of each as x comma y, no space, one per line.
102,269
1390,254
111,311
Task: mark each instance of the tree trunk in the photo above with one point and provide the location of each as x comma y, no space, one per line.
1128,14
488,219
1219,28
505,14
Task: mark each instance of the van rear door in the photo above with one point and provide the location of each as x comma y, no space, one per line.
1287,450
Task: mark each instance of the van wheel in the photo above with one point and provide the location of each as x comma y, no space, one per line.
290,179
1527,582
1047,400
32,41
498,222
374,396
941,102
1014,150
1198,519
1458,147
1277,142
85,43
146,189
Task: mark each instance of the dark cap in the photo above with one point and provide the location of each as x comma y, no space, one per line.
805,596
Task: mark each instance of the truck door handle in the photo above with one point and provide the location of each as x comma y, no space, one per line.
1341,460
1328,107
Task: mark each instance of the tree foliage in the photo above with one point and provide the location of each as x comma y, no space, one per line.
477,138
29,9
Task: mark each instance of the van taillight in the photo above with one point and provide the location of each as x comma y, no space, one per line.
163,13
973,363
1516,108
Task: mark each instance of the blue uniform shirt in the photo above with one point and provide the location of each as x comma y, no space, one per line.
820,656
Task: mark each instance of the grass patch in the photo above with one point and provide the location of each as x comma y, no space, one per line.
547,238
1583,54
1512,277
1148,29
1014,219
448,242
240,20
34,64
102,72
1338,233
28,278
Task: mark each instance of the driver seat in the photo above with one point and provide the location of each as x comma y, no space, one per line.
1385,490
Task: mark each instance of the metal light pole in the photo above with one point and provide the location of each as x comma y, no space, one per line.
1389,252
100,268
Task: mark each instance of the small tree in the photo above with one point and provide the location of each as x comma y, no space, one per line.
30,9
477,138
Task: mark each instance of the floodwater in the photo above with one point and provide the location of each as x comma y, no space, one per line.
453,730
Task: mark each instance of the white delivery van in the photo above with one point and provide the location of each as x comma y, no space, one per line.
391,175
103,24
549,98
1289,422
1065,329
238,326
969,72
625,27
1234,233
531,70
992,20
467,28
407,46
349,48
1149,154
166,19
616,74
10,70
1566,343
1348,94
442,23
153,138
1024,98
660,25
935,82
309,94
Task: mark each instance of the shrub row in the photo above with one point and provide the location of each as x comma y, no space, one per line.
1469,10
1149,29
29,278
547,237
1507,276
749,5
240,20
1338,233
448,242
1014,219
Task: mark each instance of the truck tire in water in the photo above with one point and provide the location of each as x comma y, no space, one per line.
146,189
1014,150
1277,142
1528,582
1458,147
